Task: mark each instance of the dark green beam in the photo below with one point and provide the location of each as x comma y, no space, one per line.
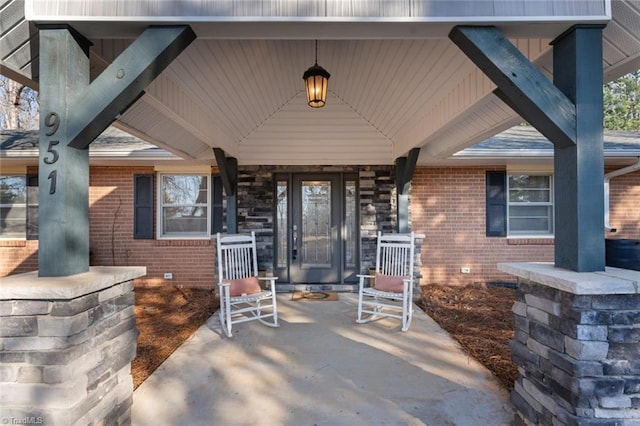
73,112
569,113
63,172
405,167
228,167
122,82
520,84
579,169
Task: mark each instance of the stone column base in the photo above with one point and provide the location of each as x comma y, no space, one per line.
577,346
67,347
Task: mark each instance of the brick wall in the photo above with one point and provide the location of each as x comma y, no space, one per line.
624,195
111,235
448,206
17,257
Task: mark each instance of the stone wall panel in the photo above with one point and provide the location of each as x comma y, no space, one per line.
76,368
581,363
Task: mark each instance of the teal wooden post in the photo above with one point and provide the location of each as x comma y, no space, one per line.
579,168
63,171
569,113
405,167
73,112
228,167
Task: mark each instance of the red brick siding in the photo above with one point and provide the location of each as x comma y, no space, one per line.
17,257
624,215
448,206
111,199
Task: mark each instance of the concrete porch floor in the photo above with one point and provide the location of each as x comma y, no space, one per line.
321,368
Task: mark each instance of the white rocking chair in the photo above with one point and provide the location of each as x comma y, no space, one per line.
242,298
392,293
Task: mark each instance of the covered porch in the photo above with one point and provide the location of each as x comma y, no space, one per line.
412,83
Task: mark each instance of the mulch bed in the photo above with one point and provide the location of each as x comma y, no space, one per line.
478,317
166,316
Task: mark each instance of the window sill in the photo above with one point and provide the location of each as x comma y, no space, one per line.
13,243
530,241
182,243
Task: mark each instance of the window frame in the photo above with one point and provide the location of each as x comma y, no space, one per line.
160,234
550,203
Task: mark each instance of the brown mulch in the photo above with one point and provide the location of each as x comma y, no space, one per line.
166,316
478,317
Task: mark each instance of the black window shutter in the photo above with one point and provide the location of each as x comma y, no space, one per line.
216,204
143,207
496,204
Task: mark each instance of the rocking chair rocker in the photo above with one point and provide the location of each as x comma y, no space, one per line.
242,298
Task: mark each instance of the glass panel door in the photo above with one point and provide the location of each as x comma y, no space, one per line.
316,228
316,221
315,235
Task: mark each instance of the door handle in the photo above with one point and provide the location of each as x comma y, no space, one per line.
294,248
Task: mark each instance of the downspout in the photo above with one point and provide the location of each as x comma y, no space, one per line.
607,178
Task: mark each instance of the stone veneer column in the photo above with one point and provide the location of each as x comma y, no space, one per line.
66,347
577,346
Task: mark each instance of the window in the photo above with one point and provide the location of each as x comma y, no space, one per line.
18,207
13,207
184,201
530,205
282,219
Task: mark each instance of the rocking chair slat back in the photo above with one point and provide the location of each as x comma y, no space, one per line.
236,260
395,258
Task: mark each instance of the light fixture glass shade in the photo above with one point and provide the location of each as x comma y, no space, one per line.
316,80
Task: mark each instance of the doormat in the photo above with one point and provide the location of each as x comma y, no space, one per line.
313,296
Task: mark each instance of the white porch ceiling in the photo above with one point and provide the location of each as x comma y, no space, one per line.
386,95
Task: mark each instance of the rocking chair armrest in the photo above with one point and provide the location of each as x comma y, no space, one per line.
363,278
408,284
223,289
271,281
267,278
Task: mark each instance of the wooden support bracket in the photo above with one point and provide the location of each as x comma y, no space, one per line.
520,84
405,167
124,81
228,167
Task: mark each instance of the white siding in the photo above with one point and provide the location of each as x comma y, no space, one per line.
331,135
203,9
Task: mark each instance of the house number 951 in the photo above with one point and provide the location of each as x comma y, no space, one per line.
52,120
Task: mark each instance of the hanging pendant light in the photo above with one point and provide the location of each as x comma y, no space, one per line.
316,80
